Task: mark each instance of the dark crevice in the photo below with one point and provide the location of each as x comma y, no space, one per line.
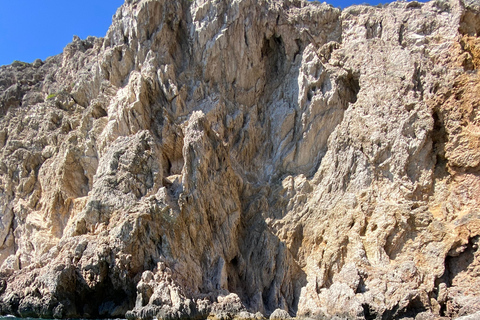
417,79
273,54
369,313
349,87
362,287
439,139
309,95
271,280
234,262
458,263
120,54
299,48
400,35
3,286
455,262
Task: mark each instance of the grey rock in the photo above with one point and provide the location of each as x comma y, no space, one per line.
279,314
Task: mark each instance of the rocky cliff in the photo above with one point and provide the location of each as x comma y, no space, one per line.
247,158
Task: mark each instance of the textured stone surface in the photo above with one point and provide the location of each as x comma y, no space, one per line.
247,159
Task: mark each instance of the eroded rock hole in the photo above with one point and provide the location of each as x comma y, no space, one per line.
236,281
309,95
102,300
349,87
234,262
273,54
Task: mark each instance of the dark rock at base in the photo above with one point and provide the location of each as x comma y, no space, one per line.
3,286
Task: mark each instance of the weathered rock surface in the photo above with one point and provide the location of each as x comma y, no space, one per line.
247,159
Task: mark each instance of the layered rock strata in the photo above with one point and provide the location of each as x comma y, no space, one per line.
247,159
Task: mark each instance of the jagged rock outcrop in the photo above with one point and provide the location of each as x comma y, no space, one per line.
247,159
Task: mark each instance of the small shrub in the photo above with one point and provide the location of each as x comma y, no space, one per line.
18,63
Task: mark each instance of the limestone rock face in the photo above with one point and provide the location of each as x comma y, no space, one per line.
247,159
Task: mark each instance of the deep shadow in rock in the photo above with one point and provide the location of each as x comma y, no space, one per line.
454,265
439,138
264,274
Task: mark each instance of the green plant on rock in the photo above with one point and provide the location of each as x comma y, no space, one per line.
18,63
51,96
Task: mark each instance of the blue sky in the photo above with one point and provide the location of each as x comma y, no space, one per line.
31,29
